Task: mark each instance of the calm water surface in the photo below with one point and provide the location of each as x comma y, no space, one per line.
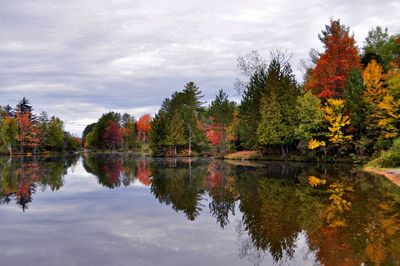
123,210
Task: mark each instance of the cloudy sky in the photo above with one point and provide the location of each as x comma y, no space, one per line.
77,59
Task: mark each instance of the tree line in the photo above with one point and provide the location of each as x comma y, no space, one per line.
22,131
117,132
348,104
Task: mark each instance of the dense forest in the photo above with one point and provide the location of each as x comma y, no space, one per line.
347,106
23,132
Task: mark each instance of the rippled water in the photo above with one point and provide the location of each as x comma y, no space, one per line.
123,210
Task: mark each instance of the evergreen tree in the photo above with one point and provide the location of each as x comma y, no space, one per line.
191,109
158,133
277,104
270,129
249,109
24,107
9,111
354,100
176,136
221,113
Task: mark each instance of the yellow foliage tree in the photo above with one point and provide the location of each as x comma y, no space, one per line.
314,144
315,181
374,83
337,120
389,108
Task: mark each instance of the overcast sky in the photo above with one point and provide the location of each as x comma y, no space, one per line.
77,59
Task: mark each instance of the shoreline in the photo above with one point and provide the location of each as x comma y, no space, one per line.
393,174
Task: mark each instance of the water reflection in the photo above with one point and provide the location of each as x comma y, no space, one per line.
339,215
23,176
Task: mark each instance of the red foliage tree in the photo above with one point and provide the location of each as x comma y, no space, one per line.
213,133
29,133
329,76
113,135
143,127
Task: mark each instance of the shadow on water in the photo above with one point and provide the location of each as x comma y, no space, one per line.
341,215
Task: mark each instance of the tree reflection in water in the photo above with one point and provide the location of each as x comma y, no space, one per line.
345,217
114,170
21,177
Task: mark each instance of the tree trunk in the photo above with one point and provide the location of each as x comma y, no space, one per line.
283,151
190,140
9,147
190,170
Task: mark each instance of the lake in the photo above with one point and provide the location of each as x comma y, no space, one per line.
125,210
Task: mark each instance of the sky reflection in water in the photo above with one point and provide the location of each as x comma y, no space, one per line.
122,210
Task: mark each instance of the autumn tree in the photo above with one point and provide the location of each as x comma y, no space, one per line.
374,80
336,120
28,132
97,138
143,127
220,113
374,77
113,135
33,133
335,138
389,109
340,56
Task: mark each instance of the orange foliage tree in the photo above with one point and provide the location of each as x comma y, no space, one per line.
28,131
143,127
329,76
374,83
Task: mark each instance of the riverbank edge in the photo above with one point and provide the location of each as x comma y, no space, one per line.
227,157
393,174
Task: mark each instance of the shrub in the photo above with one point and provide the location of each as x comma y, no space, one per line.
389,158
